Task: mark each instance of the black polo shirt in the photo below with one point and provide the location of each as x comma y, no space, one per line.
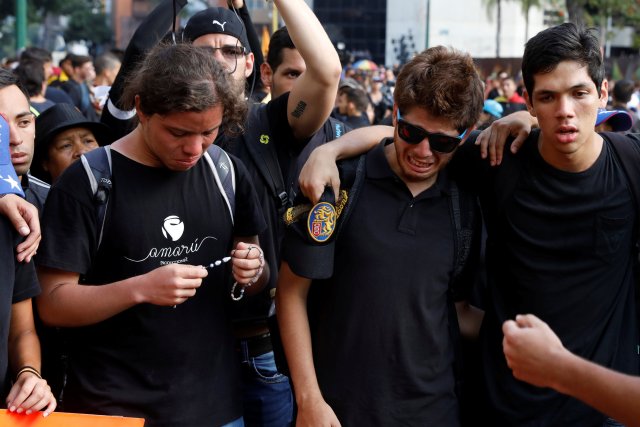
380,330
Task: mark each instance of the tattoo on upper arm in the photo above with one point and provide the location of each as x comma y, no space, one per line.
299,109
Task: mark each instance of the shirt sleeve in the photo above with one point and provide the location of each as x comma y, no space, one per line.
69,229
248,217
26,282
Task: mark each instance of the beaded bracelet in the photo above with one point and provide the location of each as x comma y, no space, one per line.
30,369
253,280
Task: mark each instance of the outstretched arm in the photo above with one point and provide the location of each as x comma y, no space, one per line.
314,92
149,33
320,169
493,139
291,306
65,302
30,392
254,42
536,355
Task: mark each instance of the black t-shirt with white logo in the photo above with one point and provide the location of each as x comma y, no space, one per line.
171,366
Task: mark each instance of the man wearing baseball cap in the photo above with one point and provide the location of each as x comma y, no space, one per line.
303,71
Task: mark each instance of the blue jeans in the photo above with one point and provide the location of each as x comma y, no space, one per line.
267,397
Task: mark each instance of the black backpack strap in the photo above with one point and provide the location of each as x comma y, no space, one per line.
97,165
259,145
626,148
224,175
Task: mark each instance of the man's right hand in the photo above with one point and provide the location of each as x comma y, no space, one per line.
24,217
316,413
492,139
319,171
170,284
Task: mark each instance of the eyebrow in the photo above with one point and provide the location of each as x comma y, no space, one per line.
23,114
574,87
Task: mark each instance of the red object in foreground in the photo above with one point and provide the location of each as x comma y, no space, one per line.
63,419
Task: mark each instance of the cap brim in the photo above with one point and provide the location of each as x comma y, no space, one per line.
308,260
9,183
620,121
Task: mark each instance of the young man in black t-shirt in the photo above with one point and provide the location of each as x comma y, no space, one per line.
370,335
149,332
561,239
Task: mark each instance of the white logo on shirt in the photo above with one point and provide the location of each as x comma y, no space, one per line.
172,228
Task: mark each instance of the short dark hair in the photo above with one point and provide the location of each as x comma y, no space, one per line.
8,78
181,78
622,90
279,41
357,96
564,42
33,53
444,81
79,60
31,75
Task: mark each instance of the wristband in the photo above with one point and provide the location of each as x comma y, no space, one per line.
30,369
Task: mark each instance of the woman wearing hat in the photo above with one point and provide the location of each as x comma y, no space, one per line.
63,134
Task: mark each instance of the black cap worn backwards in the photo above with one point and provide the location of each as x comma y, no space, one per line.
216,20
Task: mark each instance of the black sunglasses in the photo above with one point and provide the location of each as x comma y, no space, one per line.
439,142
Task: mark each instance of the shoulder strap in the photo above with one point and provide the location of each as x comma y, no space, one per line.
257,138
463,210
224,174
352,174
627,150
97,165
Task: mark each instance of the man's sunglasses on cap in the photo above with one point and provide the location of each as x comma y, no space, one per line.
439,142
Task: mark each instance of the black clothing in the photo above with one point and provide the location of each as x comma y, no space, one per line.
172,366
281,140
381,341
79,94
353,122
35,191
18,282
560,246
41,107
57,95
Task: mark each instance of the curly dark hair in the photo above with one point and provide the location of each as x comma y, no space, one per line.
445,82
185,78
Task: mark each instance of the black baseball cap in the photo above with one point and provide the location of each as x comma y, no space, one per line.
309,242
216,20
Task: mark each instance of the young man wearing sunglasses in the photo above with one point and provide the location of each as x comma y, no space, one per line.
562,230
365,318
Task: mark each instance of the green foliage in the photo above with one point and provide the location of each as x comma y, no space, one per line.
86,25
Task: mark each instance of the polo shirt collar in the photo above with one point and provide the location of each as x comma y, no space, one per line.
378,168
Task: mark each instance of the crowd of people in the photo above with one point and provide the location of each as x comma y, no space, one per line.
348,250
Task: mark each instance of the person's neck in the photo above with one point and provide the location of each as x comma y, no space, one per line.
577,161
415,187
132,146
38,98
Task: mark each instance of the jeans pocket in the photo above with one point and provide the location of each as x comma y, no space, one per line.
264,366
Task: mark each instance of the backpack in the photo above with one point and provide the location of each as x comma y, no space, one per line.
266,159
97,165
